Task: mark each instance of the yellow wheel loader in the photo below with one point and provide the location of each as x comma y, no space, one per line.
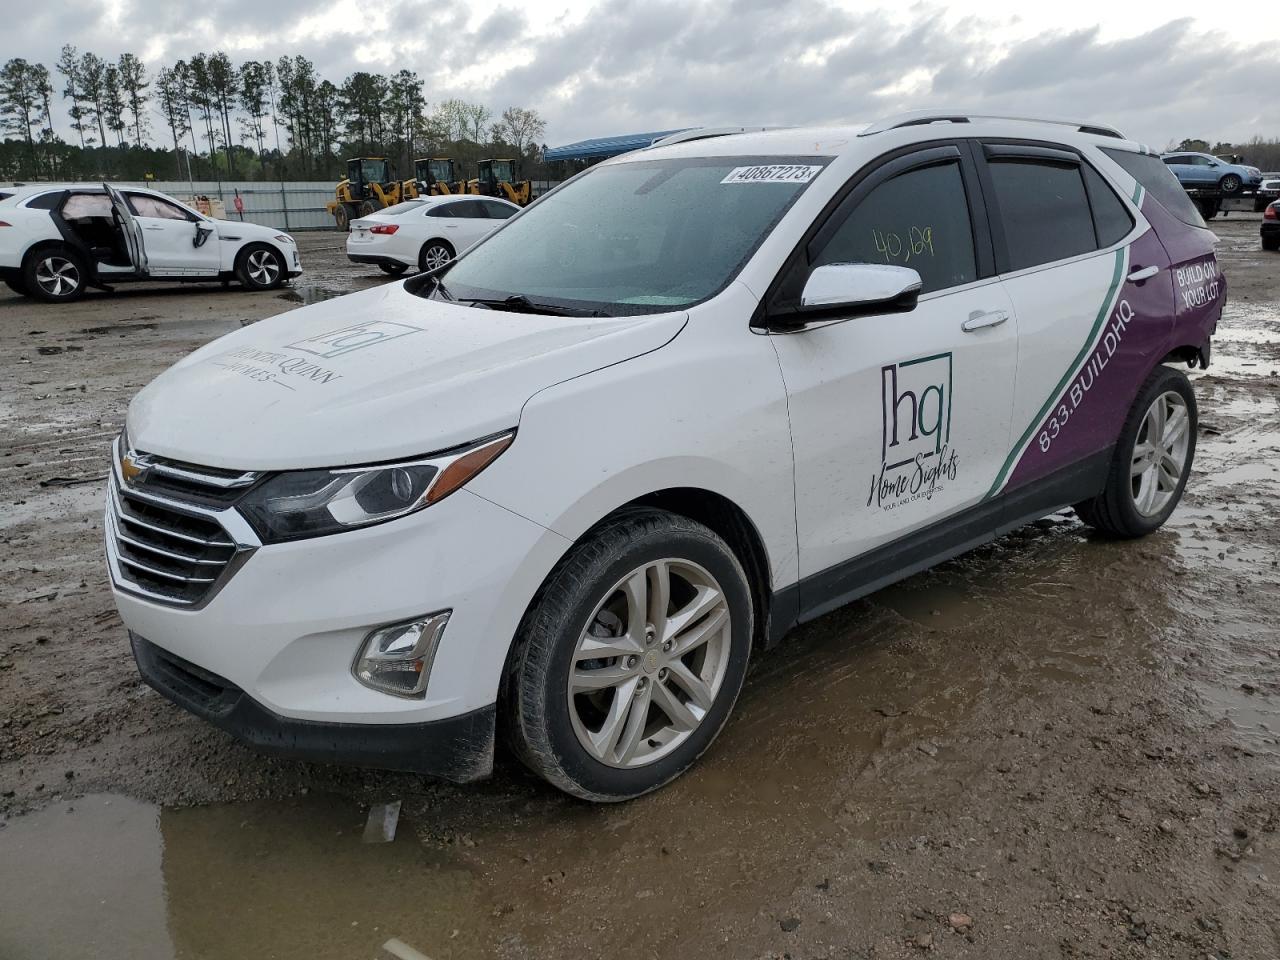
370,185
497,178
434,177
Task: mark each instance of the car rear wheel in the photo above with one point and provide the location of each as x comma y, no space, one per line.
434,253
1152,460
391,267
54,275
261,268
1229,184
1271,243
631,657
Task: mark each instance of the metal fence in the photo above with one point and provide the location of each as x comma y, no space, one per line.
293,205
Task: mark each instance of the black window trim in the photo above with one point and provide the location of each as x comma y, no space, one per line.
1041,151
851,193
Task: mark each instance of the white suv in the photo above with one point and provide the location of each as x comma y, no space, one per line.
57,240
564,486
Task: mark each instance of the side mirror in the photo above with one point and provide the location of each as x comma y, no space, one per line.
839,291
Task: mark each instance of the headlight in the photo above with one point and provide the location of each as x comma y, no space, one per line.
313,503
284,238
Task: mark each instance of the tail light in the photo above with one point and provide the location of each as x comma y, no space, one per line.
1270,213
385,228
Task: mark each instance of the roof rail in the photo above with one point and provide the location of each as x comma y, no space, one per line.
916,118
704,133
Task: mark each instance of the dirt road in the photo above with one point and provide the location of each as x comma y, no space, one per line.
1055,746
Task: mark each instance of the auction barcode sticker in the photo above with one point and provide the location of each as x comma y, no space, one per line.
776,173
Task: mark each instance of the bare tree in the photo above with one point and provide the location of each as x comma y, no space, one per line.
133,85
520,127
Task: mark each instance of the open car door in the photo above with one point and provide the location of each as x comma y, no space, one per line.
130,229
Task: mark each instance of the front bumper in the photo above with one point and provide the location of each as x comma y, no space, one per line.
457,748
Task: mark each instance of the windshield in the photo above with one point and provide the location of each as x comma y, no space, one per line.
640,237
374,171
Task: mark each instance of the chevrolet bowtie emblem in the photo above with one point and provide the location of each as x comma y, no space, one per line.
132,466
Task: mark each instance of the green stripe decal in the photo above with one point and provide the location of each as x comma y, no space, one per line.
1116,275
1137,195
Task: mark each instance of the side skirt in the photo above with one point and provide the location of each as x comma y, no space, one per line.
820,593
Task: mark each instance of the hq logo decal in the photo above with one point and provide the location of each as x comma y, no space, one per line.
916,458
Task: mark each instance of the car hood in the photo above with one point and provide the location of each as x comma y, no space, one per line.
242,229
371,376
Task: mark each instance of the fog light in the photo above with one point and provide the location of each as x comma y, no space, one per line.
397,659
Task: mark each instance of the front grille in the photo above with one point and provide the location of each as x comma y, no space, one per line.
166,537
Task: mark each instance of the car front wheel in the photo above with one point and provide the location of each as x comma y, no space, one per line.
392,268
631,657
1152,460
261,268
54,275
434,253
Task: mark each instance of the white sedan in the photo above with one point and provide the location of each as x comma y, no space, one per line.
425,233
57,240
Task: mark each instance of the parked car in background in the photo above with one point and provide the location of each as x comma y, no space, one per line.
1206,171
58,240
425,233
1268,191
568,485
1270,229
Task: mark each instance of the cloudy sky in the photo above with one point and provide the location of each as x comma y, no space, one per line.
1159,71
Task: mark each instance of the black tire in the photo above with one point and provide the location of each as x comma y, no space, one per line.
1230,185
17,286
536,704
342,218
1114,511
1271,243
368,208
428,252
392,268
260,267
54,275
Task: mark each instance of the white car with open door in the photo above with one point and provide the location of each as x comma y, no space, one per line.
425,233
58,239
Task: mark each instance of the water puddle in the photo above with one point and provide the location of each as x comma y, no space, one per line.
106,876
308,293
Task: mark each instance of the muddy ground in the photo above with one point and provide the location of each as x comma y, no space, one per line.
1055,746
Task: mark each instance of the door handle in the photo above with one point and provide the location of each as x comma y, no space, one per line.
1142,273
979,319
149,227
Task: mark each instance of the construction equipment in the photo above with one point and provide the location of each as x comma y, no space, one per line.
370,185
435,177
497,178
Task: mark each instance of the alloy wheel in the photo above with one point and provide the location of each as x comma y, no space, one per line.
57,276
1160,453
262,267
648,667
436,255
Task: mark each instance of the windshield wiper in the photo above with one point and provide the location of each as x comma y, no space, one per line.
519,303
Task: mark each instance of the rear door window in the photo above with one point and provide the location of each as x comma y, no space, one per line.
1043,209
1111,218
82,205
917,219
1159,181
